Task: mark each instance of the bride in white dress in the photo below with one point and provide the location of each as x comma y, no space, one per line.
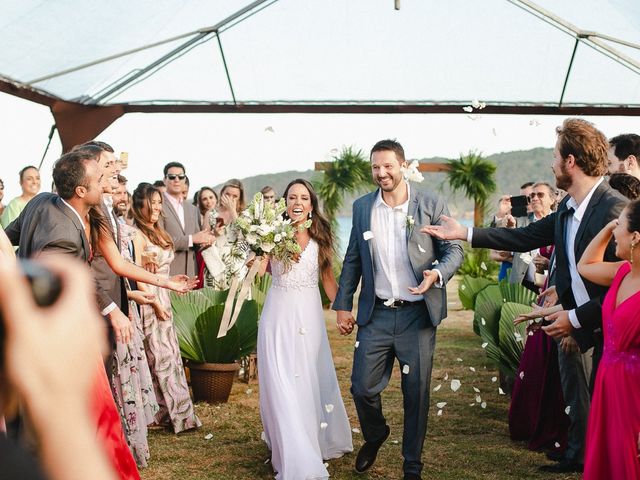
304,419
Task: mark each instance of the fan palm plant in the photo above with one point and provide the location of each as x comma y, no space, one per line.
349,172
474,176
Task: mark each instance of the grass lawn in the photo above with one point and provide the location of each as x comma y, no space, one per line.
464,442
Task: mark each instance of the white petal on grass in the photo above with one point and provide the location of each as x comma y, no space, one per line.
472,404
328,407
405,369
567,410
439,413
483,266
249,391
441,404
422,250
458,359
395,442
472,369
326,465
263,437
500,391
455,384
467,109
355,430
483,404
437,387
368,235
484,345
446,376
476,389
390,302
208,436
478,399
324,425
494,379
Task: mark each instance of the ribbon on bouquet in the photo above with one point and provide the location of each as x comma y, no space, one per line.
231,313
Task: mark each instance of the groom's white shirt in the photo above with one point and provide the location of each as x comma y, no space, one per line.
393,274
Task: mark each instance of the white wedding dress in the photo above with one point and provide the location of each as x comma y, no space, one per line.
302,412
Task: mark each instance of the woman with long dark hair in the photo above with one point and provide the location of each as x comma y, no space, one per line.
302,411
160,338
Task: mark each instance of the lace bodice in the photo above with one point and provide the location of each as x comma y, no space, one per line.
303,274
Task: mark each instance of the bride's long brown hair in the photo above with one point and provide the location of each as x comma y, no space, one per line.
320,229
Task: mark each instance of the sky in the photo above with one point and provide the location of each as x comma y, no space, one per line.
216,147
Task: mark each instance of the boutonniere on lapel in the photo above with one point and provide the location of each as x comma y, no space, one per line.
411,173
410,223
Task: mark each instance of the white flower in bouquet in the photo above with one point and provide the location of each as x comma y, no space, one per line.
263,229
412,172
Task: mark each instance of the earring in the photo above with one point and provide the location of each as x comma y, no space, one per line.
631,253
310,215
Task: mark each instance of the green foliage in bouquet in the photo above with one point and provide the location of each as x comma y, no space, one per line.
197,316
262,228
259,290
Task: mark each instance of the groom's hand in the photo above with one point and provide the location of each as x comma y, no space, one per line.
430,277
345,322
448,229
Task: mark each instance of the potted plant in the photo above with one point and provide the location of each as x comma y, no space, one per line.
211,360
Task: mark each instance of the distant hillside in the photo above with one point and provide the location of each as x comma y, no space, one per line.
513,169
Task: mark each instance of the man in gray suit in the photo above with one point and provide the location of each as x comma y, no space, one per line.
53,223
402,301
182,222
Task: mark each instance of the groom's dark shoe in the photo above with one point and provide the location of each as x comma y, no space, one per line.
368,453
412,476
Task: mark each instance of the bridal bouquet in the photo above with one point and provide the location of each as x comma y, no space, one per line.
263,230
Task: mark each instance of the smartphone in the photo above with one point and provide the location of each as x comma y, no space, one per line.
519,206
45,288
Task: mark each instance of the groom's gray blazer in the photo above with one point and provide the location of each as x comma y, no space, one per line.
426,209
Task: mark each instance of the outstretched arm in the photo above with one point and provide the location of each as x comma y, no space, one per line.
123,268
592,265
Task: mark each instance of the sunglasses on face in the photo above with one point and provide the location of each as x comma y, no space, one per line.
173,176
536,194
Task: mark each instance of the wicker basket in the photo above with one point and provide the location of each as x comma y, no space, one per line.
211,382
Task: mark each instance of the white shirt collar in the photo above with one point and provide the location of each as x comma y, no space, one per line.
380,201
580,209
73,210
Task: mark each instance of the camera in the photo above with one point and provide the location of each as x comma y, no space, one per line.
519,206
45,288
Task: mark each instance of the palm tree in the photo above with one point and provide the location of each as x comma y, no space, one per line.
350,172
474,176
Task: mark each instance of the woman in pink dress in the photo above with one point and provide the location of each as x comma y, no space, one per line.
613,431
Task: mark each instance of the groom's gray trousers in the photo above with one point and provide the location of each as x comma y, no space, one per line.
404,333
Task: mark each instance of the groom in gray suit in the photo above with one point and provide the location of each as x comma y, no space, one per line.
402,301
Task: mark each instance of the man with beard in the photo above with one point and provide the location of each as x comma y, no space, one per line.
402,301
624,154
120,200
579,163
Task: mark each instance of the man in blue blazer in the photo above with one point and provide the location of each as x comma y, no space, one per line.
402,301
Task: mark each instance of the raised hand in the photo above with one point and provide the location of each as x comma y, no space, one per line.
448,229
430,277
561,326
178,283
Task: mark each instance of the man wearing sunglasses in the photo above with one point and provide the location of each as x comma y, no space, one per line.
182,222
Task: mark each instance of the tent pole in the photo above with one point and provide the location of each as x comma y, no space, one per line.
226,69
46,149
566,79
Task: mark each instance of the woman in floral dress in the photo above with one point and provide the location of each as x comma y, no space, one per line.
160,339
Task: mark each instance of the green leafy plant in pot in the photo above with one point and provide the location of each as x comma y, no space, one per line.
211,360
